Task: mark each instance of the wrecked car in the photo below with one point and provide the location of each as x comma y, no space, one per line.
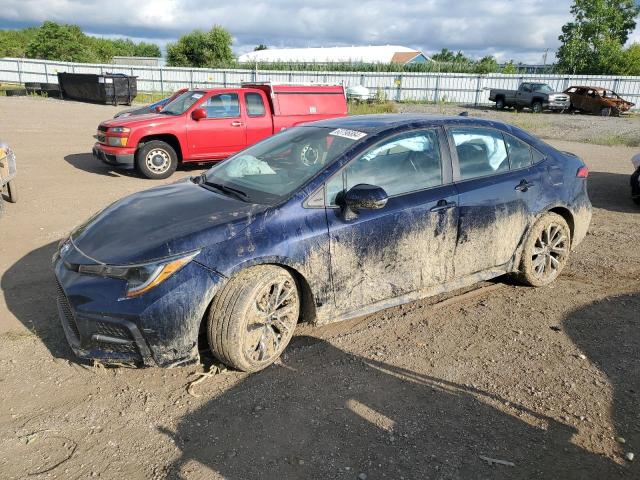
396,208
597,100
8,188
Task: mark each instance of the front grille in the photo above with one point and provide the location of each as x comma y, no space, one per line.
69,319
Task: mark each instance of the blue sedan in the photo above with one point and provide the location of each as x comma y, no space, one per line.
320,223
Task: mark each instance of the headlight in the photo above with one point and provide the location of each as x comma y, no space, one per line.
117,141
143,277
119,130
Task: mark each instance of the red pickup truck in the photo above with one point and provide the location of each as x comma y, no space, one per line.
205,125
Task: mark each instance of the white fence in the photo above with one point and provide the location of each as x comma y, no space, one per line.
432,87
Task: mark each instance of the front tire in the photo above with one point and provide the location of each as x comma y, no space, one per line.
545,251
536,107
252,320
605,112
156,160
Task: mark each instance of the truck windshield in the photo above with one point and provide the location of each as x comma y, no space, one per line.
182,103
542,88
274,168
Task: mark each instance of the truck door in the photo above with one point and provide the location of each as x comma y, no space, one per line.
222,133
523,95
259,117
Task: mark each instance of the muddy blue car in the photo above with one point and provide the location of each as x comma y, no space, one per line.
320,223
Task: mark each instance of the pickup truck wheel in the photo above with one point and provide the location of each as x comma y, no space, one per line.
252,319
156,160
500,104
12,191
536,107
545,251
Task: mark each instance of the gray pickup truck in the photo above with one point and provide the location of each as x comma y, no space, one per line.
536,96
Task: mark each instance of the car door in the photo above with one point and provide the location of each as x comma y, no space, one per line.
222,132
495,200
406,245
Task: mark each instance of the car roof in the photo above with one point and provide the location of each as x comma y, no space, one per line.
380,122
587,87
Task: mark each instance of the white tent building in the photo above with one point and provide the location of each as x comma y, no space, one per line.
370,54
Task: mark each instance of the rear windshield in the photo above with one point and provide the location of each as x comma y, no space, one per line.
182,103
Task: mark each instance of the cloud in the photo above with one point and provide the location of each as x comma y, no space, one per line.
521,30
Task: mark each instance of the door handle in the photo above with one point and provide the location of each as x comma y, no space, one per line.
442,205
523,186
236,124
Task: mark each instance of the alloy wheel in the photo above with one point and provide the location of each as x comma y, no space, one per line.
272,321
550,250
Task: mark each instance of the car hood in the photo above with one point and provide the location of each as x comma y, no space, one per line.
160,222
147,119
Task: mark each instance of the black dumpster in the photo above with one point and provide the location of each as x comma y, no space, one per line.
110,88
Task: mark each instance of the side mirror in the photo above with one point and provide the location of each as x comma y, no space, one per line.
158,108
363,197
199,114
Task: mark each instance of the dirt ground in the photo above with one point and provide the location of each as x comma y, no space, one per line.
546,380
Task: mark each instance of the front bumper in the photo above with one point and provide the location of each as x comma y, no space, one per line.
118,157
558,104
158,328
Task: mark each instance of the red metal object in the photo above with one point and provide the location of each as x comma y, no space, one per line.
261,111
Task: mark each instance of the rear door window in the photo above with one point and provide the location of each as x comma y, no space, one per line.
481,152
255,105
519,152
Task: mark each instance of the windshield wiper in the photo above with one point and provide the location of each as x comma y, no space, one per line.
235,192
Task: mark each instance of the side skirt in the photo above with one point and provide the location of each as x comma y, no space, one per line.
327,316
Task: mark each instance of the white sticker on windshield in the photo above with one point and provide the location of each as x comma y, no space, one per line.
346,133
198,95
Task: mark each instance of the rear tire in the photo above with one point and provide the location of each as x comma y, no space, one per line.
156,160
500,103
252,319
545,251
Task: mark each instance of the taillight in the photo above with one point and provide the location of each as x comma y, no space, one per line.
583,172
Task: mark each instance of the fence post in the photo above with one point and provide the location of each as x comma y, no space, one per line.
18,64
46,73
161,81
362,79
224,78
398,88
478,85
566,83
616,84
436,93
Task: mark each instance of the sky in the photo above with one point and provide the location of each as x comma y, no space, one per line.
508,29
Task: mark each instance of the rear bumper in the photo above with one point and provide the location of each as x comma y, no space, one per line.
119,157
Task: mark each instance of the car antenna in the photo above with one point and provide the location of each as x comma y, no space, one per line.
463,114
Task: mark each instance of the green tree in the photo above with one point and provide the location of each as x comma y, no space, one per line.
13,43
487,64
510,68
262,46
592,42
55,41
144,49
201,49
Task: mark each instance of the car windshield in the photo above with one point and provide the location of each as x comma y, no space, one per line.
542,87
274,168
182,103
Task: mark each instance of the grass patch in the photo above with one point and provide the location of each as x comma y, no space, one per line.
615,140
150,97
360,108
